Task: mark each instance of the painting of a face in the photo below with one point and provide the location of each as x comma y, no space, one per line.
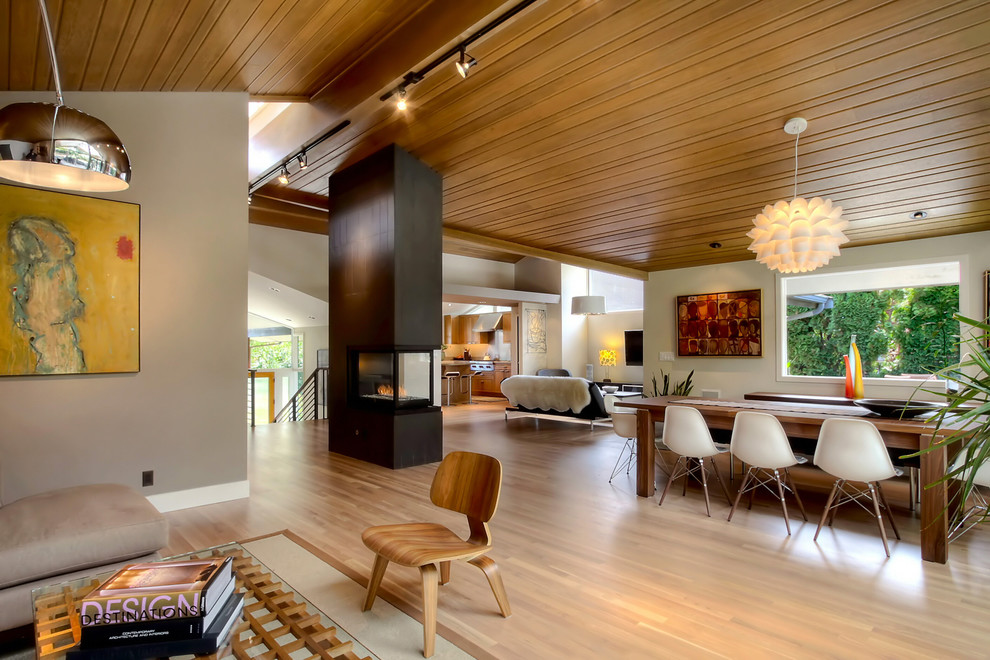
69,272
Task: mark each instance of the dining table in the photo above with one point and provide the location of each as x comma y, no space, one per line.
804,420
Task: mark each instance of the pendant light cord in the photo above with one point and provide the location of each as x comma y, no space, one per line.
51,51
797,137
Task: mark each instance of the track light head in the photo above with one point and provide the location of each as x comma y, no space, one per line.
283,176
464,63
303,162
400,97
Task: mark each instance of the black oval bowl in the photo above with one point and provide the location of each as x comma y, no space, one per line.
899,408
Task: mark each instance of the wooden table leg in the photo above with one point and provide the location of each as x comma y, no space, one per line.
645,454
934,515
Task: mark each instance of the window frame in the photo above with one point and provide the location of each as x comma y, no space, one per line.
780,323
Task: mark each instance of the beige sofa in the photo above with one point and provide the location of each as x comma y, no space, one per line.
68,533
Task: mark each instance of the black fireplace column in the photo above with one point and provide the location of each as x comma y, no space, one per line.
385,310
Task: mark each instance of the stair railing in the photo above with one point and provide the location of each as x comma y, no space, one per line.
309,402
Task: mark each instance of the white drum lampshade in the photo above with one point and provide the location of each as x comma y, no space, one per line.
588,305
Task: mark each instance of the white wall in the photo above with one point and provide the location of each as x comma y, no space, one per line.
573,327
608,331
736,376
294,258
313,338
183,415
458,269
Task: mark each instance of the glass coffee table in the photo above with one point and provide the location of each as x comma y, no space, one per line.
277,621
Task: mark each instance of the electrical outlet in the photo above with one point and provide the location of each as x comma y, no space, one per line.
148,478
666,357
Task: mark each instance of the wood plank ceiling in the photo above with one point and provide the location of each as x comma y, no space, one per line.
632,133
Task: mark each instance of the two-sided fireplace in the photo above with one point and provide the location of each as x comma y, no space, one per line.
390,378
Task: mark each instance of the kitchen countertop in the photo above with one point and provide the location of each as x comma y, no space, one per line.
467,362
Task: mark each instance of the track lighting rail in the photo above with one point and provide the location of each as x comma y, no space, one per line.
299,156
414,77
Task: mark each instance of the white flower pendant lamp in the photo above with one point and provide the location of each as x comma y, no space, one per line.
800,235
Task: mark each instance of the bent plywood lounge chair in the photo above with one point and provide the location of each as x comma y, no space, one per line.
467,483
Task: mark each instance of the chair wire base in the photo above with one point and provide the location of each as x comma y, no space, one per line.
699,469
844,492
973,516
757,478
627,457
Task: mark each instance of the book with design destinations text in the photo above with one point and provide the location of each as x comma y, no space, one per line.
212,639
157,590
157,630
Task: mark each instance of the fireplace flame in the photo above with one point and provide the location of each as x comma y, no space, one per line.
386,390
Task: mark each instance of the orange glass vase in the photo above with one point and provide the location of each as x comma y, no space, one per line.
849,378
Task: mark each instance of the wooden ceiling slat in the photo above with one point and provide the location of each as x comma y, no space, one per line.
268,39
186,38
157,28
42,59
25,24
763,185
5,52
618,131
129,36
187,43
681,78
740,142
694,130
106,41
358,31
781,173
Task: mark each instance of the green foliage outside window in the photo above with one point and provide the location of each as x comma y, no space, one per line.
271,353
898,331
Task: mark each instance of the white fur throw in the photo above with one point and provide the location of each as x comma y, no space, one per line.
558,393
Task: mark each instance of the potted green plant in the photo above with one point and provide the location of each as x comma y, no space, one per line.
967,412
682,388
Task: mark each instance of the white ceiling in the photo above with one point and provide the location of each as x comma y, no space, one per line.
284,305
298,265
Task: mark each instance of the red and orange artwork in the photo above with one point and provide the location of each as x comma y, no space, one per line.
719,324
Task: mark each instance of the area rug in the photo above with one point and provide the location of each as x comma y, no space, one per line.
386,631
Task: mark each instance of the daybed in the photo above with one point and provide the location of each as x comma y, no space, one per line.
67,533
554,395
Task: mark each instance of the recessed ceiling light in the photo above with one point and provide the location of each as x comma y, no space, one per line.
312,317
288,320
919,215
276,290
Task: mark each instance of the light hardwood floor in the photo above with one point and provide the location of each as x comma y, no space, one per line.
593,571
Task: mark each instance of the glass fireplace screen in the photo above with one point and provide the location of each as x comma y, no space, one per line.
391,378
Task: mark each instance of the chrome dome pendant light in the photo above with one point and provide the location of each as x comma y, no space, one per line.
55,146
801,235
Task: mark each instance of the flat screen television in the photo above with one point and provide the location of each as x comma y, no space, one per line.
634,348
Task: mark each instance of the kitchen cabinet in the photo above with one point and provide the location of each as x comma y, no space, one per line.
502,371
490,382
507,332
448,329
463,329
484,383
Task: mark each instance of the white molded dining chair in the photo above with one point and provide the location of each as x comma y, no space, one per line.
624,425
685,433
853,451
980,509
759,441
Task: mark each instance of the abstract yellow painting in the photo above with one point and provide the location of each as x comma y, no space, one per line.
69,284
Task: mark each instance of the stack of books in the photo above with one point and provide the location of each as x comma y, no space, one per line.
160,609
